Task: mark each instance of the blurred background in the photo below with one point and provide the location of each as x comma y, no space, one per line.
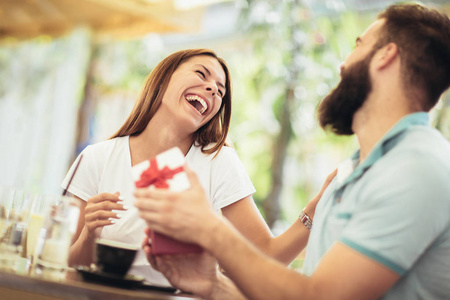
70,72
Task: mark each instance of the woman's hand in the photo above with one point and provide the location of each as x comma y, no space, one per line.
95,213
195,272
99,212
186,215
310,208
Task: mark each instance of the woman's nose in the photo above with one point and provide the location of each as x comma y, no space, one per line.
212,88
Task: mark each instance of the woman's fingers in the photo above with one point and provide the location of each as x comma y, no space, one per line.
104,197
105,201
329,179
101,210
97,224
327,182
101,215
104,206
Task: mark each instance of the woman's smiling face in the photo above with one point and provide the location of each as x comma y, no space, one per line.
195,91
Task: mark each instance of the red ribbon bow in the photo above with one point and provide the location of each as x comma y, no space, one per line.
157,177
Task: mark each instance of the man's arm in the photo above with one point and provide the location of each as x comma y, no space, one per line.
342,274
245,217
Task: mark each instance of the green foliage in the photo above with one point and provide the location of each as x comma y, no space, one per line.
123,65
275,36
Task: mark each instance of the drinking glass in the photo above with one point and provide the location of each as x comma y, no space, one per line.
14,211
39,207
5,199
55,238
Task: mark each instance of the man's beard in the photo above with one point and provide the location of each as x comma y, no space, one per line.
337,109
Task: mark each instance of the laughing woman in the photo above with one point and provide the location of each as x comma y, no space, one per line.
186,102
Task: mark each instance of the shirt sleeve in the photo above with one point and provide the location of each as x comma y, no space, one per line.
401,213
229,179
85,182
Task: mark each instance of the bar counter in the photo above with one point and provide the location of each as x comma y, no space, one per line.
22,287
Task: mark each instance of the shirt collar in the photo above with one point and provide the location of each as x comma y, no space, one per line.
351,169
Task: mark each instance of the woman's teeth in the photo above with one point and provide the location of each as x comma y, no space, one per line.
197,102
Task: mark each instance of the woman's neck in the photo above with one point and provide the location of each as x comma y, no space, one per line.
156,138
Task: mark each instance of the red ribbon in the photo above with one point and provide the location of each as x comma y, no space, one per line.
157,177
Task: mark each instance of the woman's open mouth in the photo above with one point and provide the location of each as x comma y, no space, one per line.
198,103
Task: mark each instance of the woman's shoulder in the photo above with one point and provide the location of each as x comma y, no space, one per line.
104,148
108,144
226,152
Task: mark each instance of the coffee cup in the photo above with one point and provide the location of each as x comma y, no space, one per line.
114,257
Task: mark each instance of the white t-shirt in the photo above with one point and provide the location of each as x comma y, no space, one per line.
106,167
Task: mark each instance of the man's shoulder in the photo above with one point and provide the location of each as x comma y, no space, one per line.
418,166
424,144
420,133
420,160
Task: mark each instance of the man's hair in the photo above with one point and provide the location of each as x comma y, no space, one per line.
423,38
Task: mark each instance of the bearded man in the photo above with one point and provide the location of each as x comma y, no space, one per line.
382,227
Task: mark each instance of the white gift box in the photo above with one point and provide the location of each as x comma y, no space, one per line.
168,169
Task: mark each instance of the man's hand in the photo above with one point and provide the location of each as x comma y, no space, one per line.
186,216
195,273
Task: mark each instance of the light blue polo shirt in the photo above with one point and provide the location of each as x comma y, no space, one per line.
394,207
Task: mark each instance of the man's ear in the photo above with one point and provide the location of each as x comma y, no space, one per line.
386,55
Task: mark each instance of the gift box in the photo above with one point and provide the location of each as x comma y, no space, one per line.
166,170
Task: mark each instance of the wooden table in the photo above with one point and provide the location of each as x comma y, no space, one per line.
20,287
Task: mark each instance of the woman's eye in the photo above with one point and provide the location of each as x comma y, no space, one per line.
220,93
201,73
